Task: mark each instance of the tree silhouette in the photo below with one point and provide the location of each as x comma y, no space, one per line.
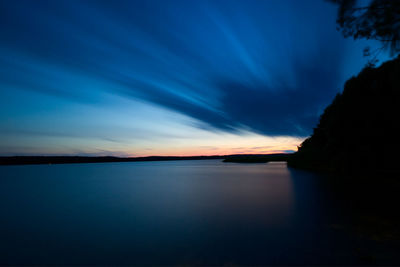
358,131
380,20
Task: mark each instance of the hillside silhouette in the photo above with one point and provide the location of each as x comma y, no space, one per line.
359,130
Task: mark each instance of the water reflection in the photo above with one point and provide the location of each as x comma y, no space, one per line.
220,194
184,212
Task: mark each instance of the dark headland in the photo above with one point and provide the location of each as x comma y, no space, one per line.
359,130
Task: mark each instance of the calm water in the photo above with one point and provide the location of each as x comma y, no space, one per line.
176,212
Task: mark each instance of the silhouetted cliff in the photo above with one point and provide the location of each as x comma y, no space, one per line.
359,131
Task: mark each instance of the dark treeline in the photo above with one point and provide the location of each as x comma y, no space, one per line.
359,131
20,160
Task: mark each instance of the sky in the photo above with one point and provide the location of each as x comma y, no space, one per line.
168,77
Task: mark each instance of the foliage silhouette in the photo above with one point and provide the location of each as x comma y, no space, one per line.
359,131
380,20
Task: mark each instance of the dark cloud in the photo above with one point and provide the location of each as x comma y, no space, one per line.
285,110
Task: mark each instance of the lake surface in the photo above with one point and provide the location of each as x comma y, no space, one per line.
174,212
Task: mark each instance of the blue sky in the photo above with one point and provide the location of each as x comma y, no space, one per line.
138,78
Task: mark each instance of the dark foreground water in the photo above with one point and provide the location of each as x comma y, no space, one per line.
177,212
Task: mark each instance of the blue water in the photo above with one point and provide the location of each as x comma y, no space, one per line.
175,212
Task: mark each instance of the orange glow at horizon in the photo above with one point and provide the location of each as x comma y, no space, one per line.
226,145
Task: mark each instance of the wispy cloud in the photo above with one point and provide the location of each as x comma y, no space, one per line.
267,67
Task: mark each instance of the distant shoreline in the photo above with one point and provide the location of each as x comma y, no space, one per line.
36,160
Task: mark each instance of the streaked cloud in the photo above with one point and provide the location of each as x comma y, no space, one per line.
167,77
